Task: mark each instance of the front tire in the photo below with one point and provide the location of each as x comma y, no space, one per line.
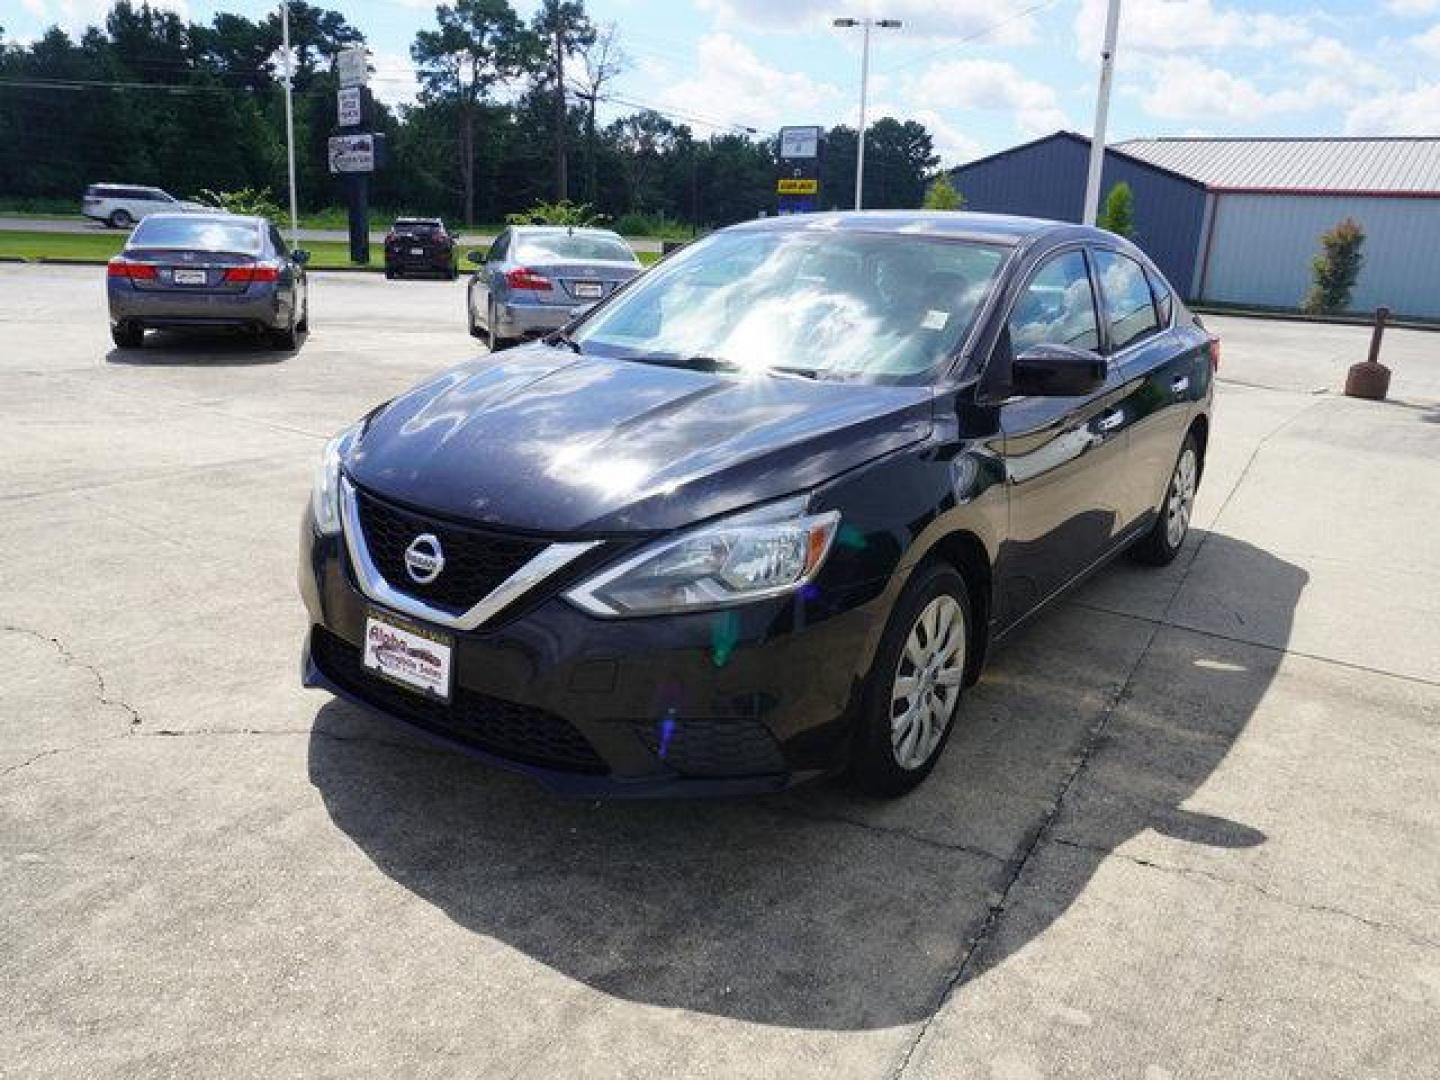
120,219
127,335
1166,537
912,694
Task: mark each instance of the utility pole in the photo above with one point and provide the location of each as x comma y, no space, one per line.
1102,113
865,24
562,179
289,121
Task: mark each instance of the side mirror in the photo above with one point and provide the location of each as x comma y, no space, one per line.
476,257
300,256
1048,370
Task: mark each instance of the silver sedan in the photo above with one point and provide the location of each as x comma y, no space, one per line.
535,279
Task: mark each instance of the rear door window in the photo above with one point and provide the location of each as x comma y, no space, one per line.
1057,307
1129,307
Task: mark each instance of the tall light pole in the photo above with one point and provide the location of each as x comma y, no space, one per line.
865,24
1102,113
289,121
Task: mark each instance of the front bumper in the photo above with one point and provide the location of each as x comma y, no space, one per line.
258,306
748,700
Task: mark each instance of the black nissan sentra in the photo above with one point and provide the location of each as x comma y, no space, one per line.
761,514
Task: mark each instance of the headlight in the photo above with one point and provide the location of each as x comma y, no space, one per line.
752,556
325,492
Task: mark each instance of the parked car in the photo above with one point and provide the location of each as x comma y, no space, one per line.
420,245
180,271
762,515
122,205
535,279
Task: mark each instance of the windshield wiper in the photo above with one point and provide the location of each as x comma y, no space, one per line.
560,337
717,363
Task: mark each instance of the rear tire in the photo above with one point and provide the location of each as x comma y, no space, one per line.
287,340
1166,537
390,275
127,335
912,694
493,334
120,219
474,326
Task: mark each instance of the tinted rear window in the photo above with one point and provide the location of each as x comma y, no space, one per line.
572,246
418,227
196,234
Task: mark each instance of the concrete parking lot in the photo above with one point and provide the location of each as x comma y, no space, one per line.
1188,826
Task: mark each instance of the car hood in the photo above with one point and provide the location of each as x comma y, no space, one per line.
540,439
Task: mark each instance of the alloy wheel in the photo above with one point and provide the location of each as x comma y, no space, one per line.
1180,500
927,681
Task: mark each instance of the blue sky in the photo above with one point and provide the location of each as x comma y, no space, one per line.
981,74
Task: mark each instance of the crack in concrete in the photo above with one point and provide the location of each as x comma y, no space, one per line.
884,830
1269,894
70,658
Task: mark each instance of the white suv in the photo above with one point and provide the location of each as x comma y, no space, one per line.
122,205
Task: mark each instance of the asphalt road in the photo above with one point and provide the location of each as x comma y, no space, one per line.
1187,827
78,224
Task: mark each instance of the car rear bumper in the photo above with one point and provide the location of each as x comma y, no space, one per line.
741,701
433,261
525,320
258,306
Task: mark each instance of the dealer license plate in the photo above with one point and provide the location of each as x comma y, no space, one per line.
417,251
190,277
588,290
408,654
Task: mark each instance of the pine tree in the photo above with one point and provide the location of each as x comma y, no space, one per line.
1118,214
1336,269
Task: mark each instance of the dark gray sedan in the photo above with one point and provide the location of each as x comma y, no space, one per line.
180,271
535,279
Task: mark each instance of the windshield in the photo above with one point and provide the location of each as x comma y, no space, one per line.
845,305
196,234
537,247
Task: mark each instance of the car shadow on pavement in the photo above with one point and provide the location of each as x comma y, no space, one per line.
219,348
819,909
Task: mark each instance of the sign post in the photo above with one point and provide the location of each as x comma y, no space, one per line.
352,152
798,186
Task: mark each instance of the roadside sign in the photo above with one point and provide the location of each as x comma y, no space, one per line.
352,66
799,143
789,185
352,153
349,106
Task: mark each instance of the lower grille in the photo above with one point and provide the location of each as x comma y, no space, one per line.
503,728
713,747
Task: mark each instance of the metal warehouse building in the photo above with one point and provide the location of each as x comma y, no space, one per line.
1237,221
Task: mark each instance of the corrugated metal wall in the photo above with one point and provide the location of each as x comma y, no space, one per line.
1262,246
1047,179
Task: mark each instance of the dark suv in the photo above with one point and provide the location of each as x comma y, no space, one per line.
420,245
759,515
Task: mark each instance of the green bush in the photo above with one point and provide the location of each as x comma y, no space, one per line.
941,195
1118,213
557,213
659,225
257,201
1336,269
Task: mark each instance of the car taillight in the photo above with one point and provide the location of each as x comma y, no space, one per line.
122,267
246,274
525,278
1214,354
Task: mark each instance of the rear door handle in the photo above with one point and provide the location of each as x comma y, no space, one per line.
1180,383
1111,420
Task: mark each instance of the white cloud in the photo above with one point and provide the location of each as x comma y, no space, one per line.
1328,54
394,80
1397,112
990,86
74,16
1411,8
922,18
1183,26
952,144
731,85
1184,88
1429,42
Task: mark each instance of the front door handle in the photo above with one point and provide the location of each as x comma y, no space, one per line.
1111,420
1180,384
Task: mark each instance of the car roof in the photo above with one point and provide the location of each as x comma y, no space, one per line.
217,215
953,224
419,221
577,230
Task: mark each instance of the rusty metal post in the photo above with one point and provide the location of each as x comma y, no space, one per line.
1370,379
